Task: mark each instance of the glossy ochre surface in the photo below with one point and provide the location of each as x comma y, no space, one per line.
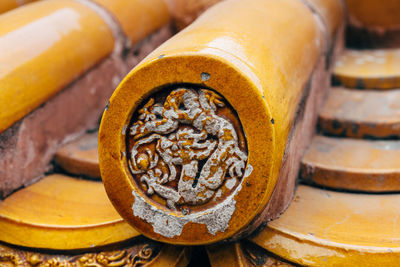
327,228
353,164
61,212
248,52
45,46
369,69
138,18
6,5
361,114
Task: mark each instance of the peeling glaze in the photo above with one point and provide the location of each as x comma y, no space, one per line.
164,223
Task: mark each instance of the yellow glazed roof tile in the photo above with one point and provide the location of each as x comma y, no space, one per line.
331,12
326,228
353,164
369,69
360,114
138,18
80,157
6,5
61,212
247,52
48,44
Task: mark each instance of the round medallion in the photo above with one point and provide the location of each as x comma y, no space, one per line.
186,150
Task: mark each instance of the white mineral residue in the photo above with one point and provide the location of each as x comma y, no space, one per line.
166,224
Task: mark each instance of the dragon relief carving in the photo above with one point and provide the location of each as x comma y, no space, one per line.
184,142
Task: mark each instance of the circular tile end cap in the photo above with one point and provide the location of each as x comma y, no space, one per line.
185,153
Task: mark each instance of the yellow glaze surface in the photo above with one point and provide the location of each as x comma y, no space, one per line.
370,69
6,5
326,228
331,12
361,114
361,165
45,46
257,62
138,18
64,213
372,13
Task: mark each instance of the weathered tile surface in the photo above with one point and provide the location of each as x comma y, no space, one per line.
60,212
28,146
368,69
352,164
361,114
327,228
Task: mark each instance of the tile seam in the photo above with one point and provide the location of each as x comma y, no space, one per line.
321,25
120,39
